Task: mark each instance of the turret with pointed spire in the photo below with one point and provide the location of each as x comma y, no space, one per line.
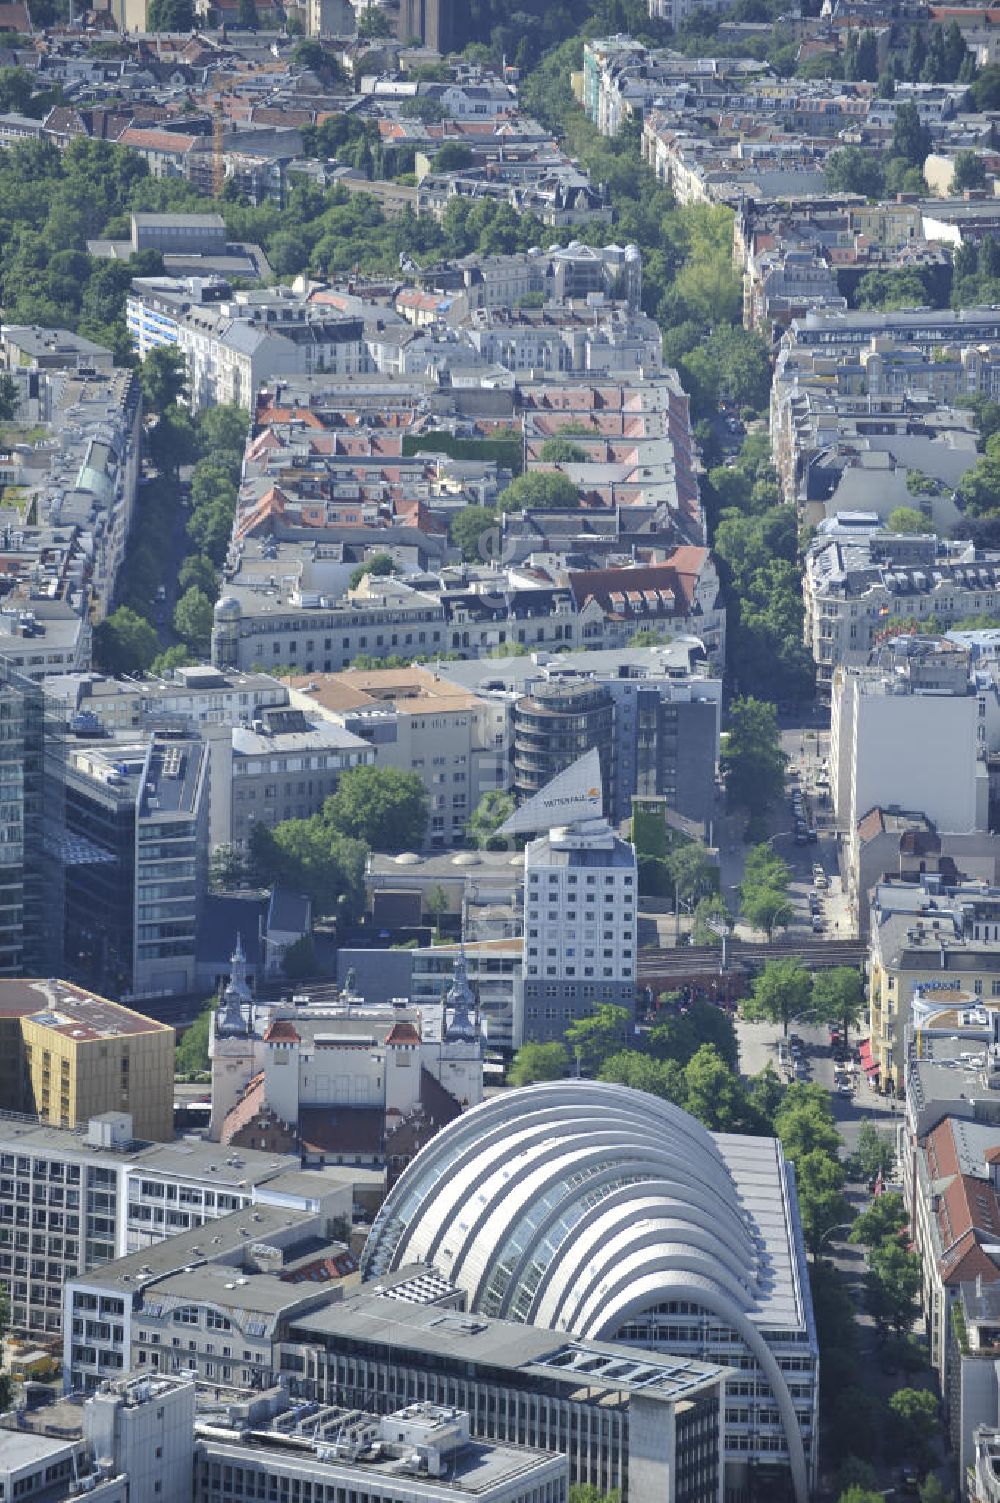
232,1017
460,1003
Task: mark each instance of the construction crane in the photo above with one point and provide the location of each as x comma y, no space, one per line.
218,160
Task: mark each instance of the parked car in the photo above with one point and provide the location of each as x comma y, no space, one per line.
845,1088
817,923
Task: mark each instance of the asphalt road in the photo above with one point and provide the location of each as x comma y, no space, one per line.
759,1046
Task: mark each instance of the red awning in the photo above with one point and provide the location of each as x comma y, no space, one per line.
865,1051
871,1069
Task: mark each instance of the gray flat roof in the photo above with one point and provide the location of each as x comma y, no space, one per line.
20,1448
259,1293
440,1331
216,1240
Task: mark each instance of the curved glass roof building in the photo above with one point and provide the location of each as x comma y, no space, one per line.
612,1214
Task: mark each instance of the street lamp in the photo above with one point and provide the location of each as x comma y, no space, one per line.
841,1226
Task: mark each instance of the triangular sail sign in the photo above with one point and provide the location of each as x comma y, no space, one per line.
572,795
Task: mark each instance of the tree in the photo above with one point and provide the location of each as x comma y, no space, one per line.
710,915
804,1123
660,1077
889,290
585,1492
381,565
451,157
198,572
436,904
985,89
915,1420
124,642
380,805
970,171
854,170
493,810
164,663
911,139
752,760
594,1039
170,15
299,959
163,374
307,855
470,528
713,1092
534,1062
893,1284
933,1490
193,617
906,519
10,397
373,22
765,908
858,1494
191,1054
880,1222
691,871
223,429
875,1152
539,490
838,996
763,867
679,1035
819,1180
228,867
561,450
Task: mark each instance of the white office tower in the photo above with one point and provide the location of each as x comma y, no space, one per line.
145,1426
580,884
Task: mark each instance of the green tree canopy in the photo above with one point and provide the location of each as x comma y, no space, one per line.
911,139
163,374
380,564
804,1122
893,1284
678,1036
970,171
193,617
660,1077
915,1421
906,519
467,529
691,870
535,1062
380,805
594,1039
539,490
191,1054
453,156
310,857
560,450
752,760
880,1222
299,959
198,573
781,993
124,642
851,169
819,1182
838,996
493,809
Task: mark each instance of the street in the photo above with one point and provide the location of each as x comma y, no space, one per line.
759,1047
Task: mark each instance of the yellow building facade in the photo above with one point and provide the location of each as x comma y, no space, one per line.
72,1055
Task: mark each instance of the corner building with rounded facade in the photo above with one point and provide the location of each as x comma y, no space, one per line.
602,1211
